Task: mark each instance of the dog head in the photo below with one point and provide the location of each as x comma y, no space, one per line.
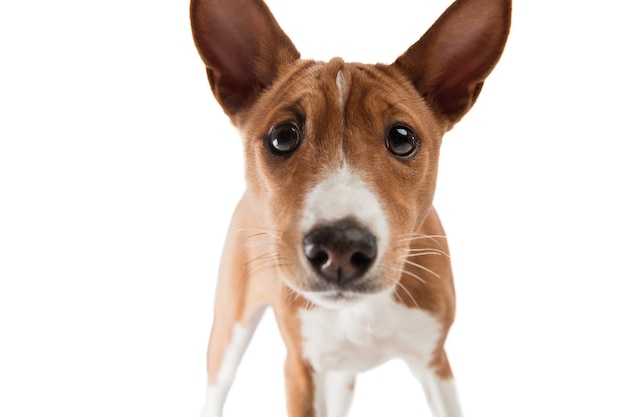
341,158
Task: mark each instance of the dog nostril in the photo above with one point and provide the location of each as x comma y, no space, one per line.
360,260
340,253
315,254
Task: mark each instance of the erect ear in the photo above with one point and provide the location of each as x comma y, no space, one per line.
242,47
449,64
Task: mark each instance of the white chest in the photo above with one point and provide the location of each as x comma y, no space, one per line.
364,336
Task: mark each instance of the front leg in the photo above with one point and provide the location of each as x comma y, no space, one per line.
317,394
441,395
300,387
439,387
338,392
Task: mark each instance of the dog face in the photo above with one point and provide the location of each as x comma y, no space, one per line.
341,158
341,149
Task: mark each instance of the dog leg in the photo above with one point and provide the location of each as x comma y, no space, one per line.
333,393
239,305
441,395
440,391
220,384
338,388
300,387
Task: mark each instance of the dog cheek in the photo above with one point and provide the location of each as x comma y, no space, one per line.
424,179
397,189
408,198
259,185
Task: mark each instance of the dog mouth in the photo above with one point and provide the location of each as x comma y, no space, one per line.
334,298
336,295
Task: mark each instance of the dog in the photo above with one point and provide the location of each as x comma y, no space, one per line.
336,231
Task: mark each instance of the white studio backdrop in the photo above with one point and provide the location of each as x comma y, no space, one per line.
118,173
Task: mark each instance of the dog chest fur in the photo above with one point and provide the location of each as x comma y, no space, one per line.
358,338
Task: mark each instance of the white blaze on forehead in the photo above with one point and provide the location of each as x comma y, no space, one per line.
344,194
342,87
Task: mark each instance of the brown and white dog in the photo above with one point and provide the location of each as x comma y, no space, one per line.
336,231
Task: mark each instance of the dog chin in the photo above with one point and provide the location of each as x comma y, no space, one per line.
334,300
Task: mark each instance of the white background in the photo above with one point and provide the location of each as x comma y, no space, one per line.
118,173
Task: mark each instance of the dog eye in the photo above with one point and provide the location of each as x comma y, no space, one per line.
284,138
401,141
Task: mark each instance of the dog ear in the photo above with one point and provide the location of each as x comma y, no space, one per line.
242,46
449,64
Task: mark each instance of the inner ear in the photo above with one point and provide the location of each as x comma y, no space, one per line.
450,63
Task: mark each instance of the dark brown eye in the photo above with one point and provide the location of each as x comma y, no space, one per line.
283,139
402,142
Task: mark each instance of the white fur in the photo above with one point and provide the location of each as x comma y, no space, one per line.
334,392
360,337
341,342
342,87
214,399
216,393
338,393
440,393
344,194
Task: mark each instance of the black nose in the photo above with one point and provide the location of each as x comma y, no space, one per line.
341,252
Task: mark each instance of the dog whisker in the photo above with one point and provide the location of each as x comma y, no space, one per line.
422,267
417,236
412,249
264,257
410,274
417,255
403,288
262,262
265,261
261,238
420,252
275,233
269,265
251,245
251,236
292,295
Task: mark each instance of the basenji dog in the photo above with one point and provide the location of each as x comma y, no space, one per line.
336,231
